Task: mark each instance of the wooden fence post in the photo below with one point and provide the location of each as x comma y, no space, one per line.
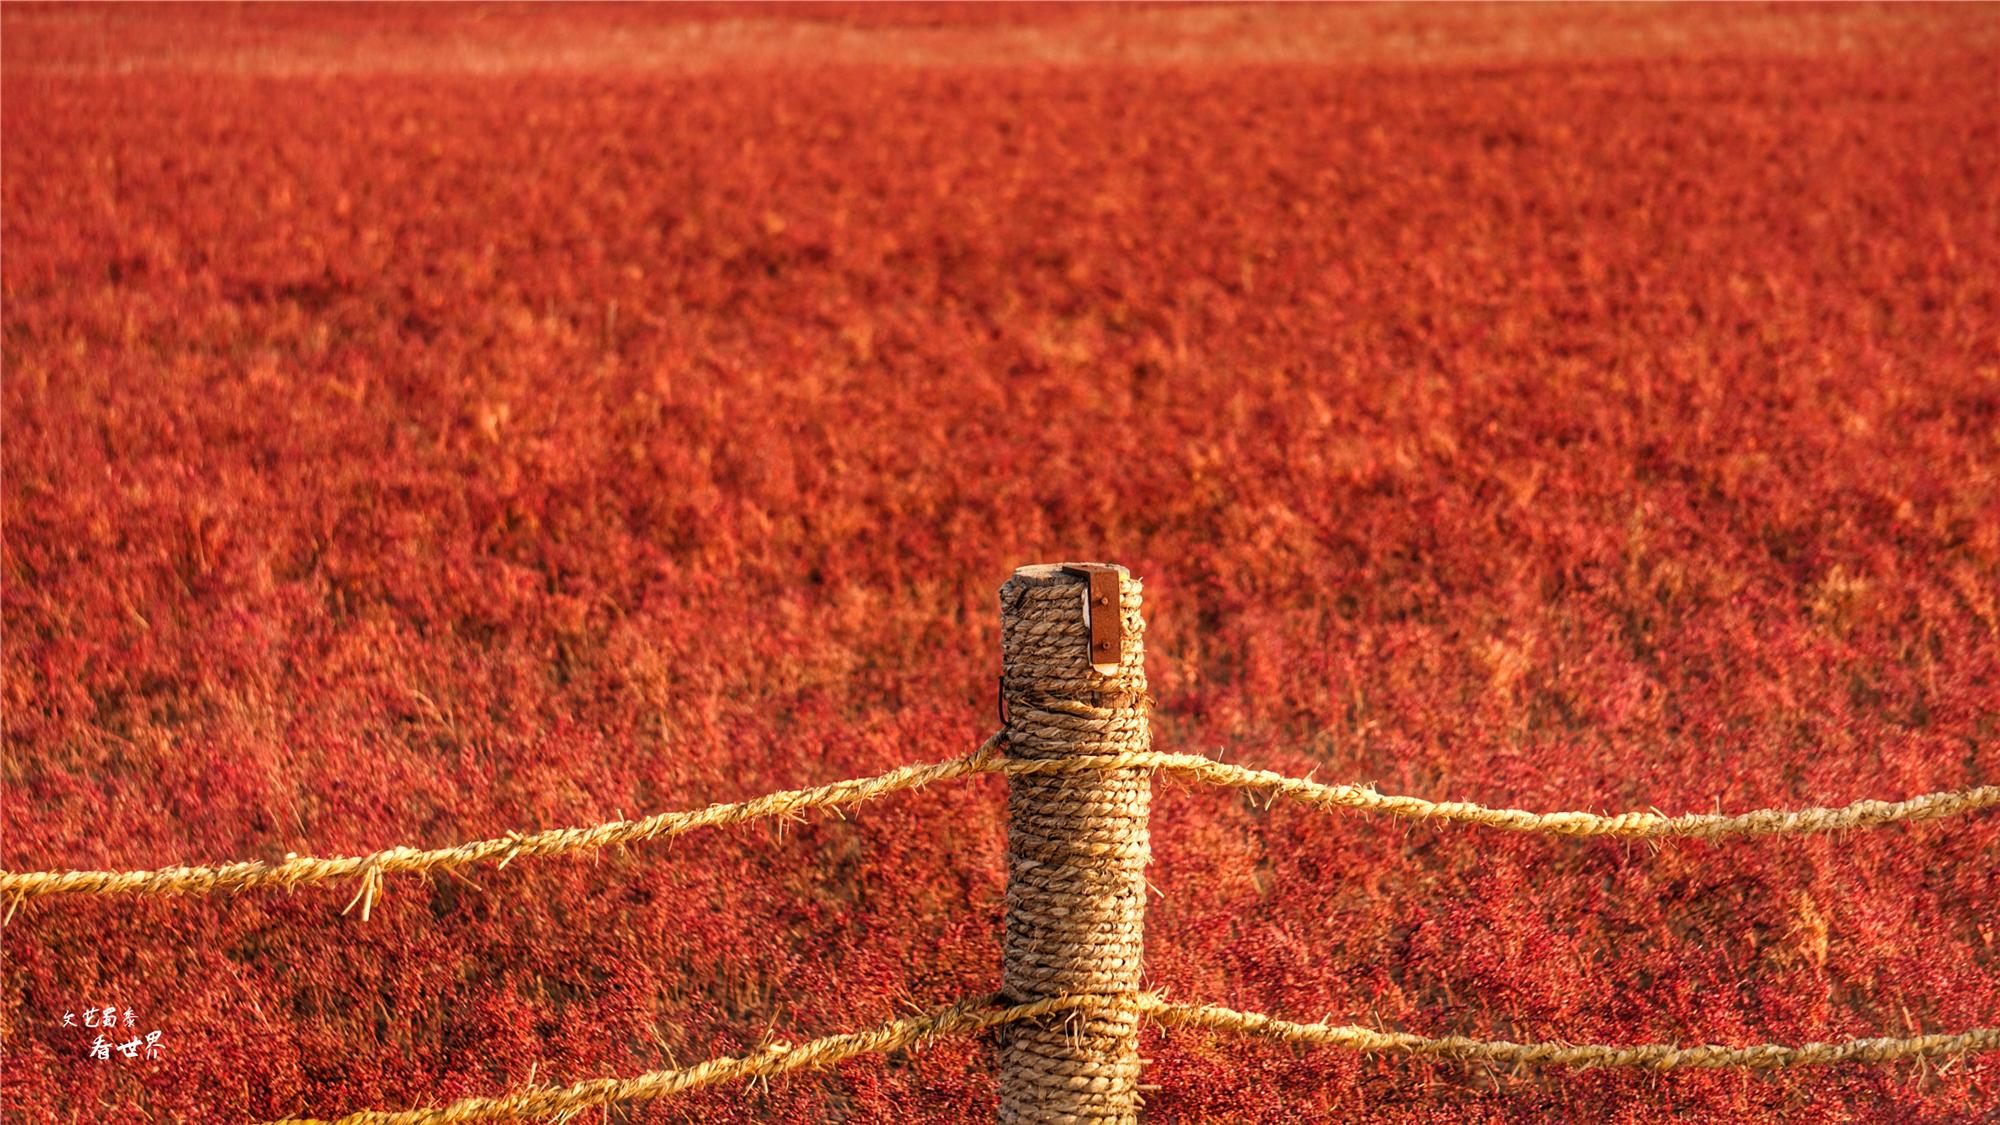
1074,683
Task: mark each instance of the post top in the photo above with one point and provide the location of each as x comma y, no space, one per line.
1053,574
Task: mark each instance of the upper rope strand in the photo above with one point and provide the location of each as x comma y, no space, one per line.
1761,822
295,871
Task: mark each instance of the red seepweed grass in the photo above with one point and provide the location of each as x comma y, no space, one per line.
425,422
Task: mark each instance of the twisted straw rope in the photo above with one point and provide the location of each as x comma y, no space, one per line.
980,1014
1762,822
296,871
774,1058
1077,848
1651,1056
301,870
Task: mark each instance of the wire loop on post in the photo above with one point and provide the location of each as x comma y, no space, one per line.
1077,845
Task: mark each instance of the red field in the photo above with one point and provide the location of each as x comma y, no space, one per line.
424,423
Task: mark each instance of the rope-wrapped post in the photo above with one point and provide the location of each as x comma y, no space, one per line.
1076,842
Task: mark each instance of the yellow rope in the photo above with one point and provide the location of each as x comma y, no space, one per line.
774,1058
296,871
981,1014
1664,1056
1762,822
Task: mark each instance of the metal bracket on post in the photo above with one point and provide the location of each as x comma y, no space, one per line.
1102,613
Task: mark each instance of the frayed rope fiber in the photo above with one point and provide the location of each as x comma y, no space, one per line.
985,1012
296,871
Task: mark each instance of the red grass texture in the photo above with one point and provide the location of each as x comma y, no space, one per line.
427,422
